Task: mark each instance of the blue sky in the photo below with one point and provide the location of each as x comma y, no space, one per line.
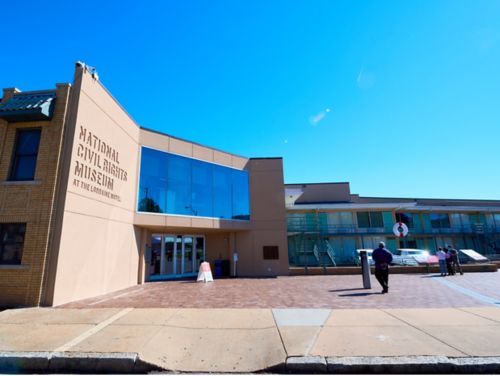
400,98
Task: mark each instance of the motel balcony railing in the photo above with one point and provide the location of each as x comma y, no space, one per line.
312,227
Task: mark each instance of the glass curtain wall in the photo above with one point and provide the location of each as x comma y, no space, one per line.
173,184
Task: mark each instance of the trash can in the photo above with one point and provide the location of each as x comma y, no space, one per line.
226,265
217,268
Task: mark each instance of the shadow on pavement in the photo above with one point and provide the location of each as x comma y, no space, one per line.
361,294
431,276
340,290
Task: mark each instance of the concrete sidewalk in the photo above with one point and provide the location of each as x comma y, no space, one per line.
127,340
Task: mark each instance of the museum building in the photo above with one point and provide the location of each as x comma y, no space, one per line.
91,203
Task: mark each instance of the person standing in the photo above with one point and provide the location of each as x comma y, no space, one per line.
442,261
449,265
382,258
455,262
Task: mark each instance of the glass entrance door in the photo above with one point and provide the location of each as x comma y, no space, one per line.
187,254
176,256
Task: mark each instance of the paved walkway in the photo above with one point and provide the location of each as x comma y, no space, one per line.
252,338
335,291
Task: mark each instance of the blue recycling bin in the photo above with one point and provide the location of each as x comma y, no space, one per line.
217,268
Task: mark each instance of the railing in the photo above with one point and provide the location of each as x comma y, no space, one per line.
330,252
316,252
295,225
466,229
336,229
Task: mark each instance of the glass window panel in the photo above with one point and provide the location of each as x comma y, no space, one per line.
241,206
173,184
455,220
200,252
346,218
25,154
363,219
406,218
376,219
445,221
334,219
28,141
179,186
178,255
440,220
155,262
25,168
169,254
464,219
188,254
296,221
153,181
201,195
222,192
11,243
435,220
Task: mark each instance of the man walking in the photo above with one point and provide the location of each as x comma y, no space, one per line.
382,258
455,262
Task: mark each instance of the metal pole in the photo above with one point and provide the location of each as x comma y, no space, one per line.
365,270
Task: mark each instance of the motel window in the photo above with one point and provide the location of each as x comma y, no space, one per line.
11,243
25,154
173,184
340,219
370,219
406,218
440,220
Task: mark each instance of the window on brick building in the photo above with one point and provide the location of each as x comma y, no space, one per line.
11,243
25,154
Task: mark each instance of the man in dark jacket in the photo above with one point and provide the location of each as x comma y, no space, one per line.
455,261
382,258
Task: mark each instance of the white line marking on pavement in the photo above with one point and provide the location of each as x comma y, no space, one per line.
473,294
114,297
93,330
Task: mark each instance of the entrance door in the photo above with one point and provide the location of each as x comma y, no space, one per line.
176,256
187,254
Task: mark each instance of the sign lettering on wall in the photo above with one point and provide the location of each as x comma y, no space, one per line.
97,166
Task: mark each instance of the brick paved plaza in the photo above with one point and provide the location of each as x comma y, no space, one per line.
406,291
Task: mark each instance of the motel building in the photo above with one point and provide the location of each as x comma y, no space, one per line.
91,203
327,223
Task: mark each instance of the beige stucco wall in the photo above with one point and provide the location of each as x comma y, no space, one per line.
99,246
268,217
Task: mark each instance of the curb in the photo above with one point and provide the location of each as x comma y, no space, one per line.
73,362
130,363
393,365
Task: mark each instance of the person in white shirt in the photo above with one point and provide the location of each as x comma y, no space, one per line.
442,261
